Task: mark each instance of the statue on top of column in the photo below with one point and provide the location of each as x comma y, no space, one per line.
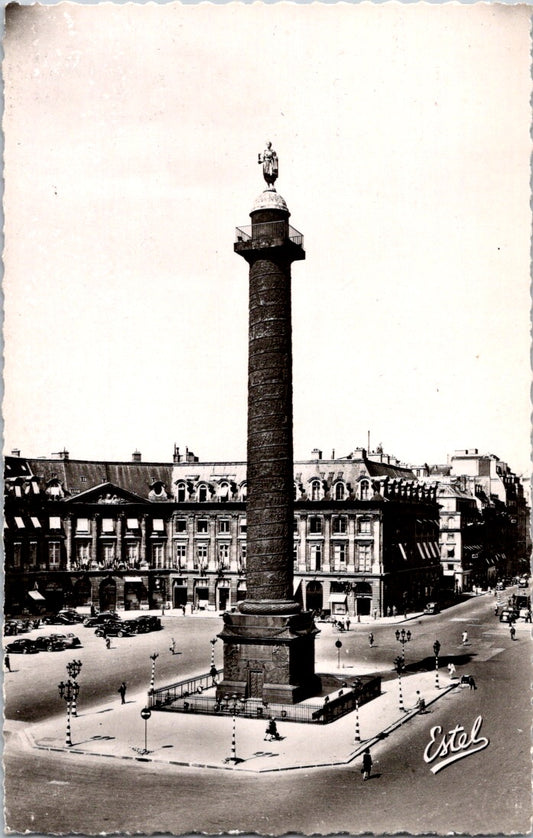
269,159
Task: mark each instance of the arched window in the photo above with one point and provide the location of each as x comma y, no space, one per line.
340,491
364,490
181,493
202,493
243,491
315,490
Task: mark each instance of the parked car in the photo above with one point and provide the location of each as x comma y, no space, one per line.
22,646
102,619
70,640
72,613
524,614
508,615
131,624
114,629
60,619
432,608
50,643
148,622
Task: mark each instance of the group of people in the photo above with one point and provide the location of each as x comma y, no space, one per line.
343,623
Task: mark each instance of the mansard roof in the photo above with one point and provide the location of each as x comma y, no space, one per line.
105,493
77,476
377,469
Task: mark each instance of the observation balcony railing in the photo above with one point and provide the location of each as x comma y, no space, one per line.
268,233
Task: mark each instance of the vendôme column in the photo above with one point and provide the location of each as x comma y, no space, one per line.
269,644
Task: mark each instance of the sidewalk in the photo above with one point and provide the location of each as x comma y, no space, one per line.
113,730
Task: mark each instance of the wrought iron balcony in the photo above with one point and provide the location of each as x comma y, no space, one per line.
269,234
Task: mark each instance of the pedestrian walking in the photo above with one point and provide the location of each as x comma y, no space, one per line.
512,631
371,639
496,610
272,731
347,622
394,611
7,663
108,642
389,611
451,670
122,691
367,764
471,683
464,638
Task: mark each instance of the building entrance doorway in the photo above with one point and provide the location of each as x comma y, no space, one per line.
223,599
108,595
314,596
180,596
255,683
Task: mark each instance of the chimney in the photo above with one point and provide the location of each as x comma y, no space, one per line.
61,455
15,452
317,452
176,458
136,457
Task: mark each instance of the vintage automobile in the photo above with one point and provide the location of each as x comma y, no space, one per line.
432,608
22,646
50,643
102,619
60,619
508,615
148,622
114,629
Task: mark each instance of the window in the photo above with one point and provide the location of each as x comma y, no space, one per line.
316,556
17,554
339,525
450,536
108,525
158,525
180,555
82,552
201,525
339,556
223,491
181,525
19,522
33,553
202,493
364,526
315,490
242,557
364,490
315,525
55,523
223,525
450,566
243,526
132,552
158,555
181,493
365,557
132,523
18,490
244,491
223,555
82,525
109,553
295,552
54,550
340,491
201,555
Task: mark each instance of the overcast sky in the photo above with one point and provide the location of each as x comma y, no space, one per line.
131,142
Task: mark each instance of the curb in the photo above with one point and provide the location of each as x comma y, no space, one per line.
410,714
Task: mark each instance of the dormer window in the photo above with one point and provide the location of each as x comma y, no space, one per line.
82,525
315,490
364,490
181,493
202,493
340,491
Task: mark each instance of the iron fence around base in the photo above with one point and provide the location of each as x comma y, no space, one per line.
187,697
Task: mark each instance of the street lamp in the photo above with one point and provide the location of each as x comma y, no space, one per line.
356,686
436,649
73,670
399,664
403,637
153,658
237,702
213,669
338,644
68,691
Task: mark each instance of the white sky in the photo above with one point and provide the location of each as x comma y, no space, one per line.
131,141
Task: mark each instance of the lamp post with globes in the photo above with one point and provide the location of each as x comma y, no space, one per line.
73,670
403,637
213,669
153,658
399,666
69,692
436,649
357,689
236,703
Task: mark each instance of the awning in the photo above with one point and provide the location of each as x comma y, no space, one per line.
35,595
337,598
296,582
136,579
402,551
19,522
421,550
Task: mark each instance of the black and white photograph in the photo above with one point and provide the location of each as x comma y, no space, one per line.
266,418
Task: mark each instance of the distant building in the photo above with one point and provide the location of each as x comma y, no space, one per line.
131,535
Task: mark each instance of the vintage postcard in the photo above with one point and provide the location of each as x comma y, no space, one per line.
266,419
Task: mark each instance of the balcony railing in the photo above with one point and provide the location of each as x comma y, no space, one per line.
268,232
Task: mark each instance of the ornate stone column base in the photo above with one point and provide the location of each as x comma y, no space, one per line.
269,656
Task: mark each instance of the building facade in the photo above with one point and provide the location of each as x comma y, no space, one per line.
147,535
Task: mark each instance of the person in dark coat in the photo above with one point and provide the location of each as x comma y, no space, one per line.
371,639
367,764
7,663
122,691
472,683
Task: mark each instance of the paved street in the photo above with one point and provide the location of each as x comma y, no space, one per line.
59,792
